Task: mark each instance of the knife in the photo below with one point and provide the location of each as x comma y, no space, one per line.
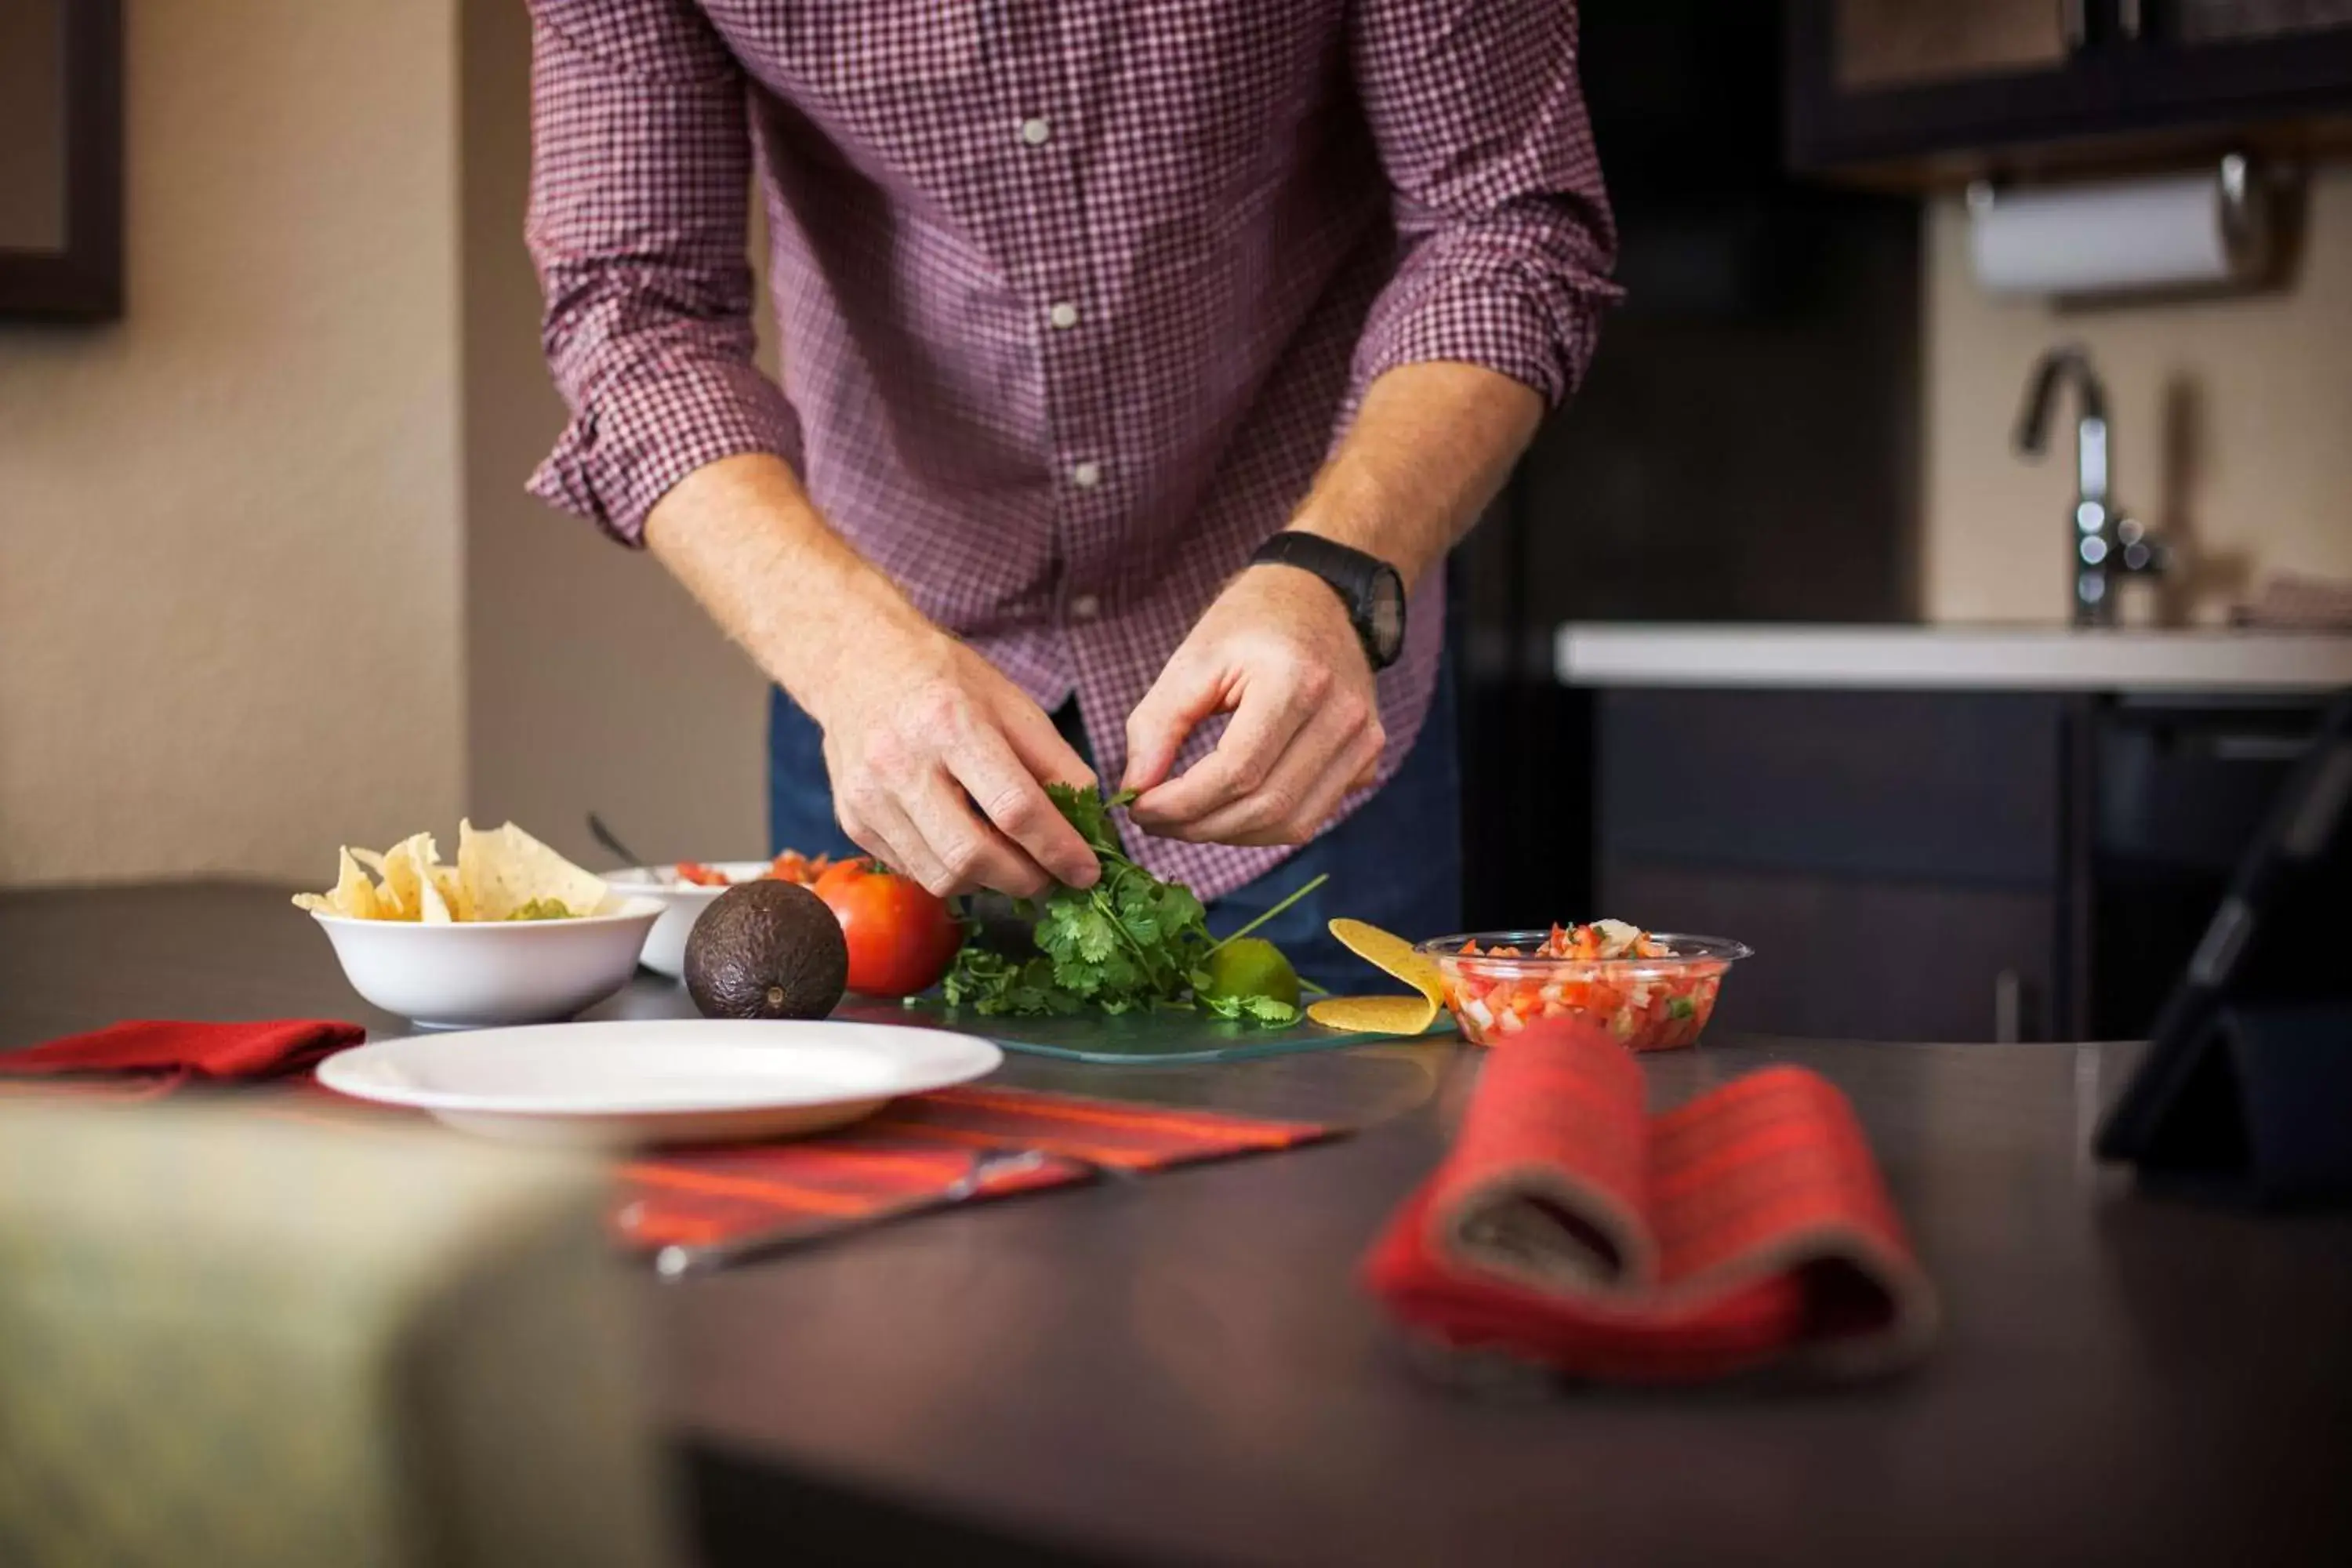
675,1261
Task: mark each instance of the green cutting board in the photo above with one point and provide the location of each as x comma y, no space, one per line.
1164,1037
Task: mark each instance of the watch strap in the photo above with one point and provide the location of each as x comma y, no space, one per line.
1352,574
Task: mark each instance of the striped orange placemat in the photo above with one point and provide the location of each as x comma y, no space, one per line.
979,1140
926,1146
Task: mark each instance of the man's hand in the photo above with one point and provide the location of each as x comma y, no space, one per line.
1428,448
918,728
1277,651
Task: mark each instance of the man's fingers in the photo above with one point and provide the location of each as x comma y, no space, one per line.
1043,753
968,852
876,824
1305,787
1011,798
1263,727
1178,702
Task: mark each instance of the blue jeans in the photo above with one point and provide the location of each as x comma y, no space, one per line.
1396,862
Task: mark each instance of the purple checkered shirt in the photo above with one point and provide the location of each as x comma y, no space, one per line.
1073,299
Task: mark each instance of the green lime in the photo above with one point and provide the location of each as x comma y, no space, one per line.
1252,966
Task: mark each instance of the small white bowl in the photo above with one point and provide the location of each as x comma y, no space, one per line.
468,974
682,902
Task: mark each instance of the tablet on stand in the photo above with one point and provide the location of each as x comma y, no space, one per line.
2246,1092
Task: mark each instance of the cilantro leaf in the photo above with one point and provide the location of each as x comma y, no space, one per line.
1269,1012
1128,944
1091,814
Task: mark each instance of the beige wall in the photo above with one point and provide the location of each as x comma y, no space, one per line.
593,682
2232,427
268,581
229,525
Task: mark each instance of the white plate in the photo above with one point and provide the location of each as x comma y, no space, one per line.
682,904
673,1081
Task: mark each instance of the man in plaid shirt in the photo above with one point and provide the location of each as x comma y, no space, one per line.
1141,360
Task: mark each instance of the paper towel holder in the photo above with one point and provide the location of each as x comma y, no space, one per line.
2237,192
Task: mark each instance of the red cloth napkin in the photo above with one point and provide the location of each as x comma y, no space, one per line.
1569,1228
147,1057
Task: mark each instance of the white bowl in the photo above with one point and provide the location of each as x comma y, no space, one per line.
466,975
682,904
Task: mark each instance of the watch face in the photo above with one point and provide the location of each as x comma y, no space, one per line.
1387,610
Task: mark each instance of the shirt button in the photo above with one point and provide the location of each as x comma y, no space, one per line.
1064,315
1085,476
1085,608
1036,132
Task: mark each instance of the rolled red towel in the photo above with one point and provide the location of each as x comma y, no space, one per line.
1569,1228
145,1057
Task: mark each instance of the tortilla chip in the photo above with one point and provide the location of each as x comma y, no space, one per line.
1375,1015
507,869
404,869
1392,955
353,897
496,874
433,906
446,881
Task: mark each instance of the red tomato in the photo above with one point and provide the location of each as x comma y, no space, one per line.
901,938
840,873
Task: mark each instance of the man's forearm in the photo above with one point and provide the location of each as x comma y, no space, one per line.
919,729
1429,448
746,541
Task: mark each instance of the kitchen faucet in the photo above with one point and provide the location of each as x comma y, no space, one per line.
2102,541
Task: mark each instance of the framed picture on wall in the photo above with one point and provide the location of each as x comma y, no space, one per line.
60,159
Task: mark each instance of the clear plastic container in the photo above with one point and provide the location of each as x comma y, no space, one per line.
1645,1004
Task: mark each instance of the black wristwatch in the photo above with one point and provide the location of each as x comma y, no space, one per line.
1367,584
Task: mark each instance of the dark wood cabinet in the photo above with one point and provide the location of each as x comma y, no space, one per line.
1898,860
1863,958
1936,864
1899,91
1878,46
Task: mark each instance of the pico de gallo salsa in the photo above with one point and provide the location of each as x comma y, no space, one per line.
791,866
1639,988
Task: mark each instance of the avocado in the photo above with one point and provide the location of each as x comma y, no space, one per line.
766,950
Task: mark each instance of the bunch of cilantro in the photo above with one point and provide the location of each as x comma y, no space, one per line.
1129,942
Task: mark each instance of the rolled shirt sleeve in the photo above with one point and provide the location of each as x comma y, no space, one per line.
1481,129
639,194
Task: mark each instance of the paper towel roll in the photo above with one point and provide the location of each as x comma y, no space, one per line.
2124,236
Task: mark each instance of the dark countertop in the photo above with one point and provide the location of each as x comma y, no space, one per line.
1183,1369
